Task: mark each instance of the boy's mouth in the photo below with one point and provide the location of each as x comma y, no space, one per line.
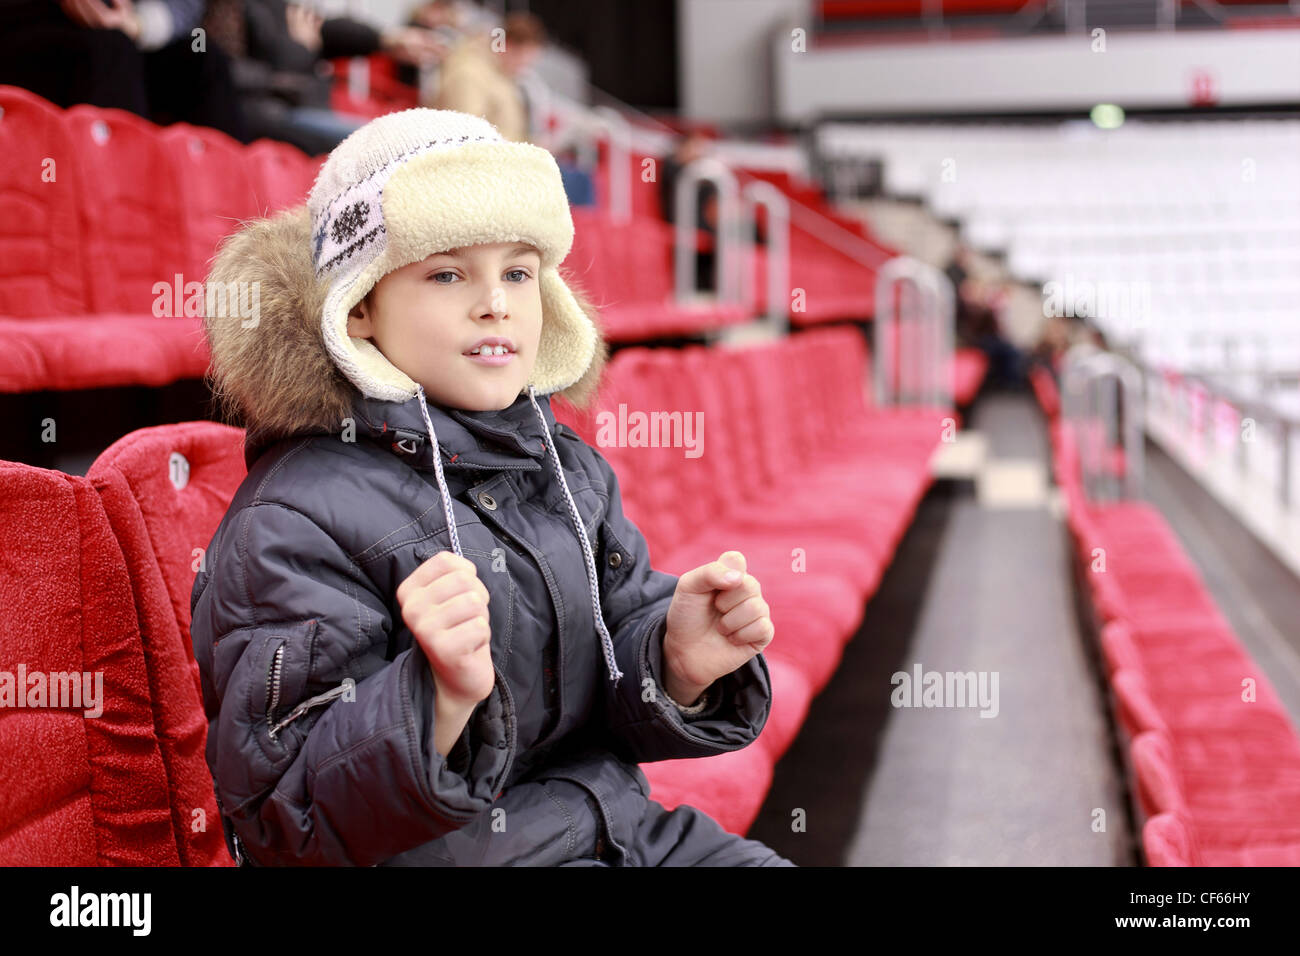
491,351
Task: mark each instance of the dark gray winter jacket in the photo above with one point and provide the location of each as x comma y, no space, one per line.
320,703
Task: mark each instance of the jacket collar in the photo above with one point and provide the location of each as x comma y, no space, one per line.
508,438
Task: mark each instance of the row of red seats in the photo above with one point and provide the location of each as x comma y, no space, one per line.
105,206
100,206
627,268
98,571
1213,753
796,471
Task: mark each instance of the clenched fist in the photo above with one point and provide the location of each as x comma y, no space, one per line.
445,605
717,621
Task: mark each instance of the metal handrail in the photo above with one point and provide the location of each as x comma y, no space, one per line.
1092,388
824,230
1266,415
619,134
753,195
685,226
931,339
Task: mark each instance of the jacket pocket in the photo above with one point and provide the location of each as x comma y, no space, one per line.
620,791
276,705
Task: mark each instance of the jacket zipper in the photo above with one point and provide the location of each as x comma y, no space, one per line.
307,705
512,741
273,689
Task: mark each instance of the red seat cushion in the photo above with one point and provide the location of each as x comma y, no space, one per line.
99,351
75,789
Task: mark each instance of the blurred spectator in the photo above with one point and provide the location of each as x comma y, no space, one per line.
1053,341
281,69
686,150
135,55
480,75
448,21
977,325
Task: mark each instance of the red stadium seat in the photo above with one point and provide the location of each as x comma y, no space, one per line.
132,224
212,172
282,175
78,789
165,490
40,264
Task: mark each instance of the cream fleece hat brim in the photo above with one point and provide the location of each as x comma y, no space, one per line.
417,182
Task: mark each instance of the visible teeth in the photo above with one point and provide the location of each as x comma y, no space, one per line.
489,350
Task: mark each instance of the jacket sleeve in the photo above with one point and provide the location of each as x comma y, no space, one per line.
321,749
642,723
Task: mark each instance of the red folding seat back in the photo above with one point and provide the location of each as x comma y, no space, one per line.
1167,841
781,442
646,196
282,175
614,265
132,228
1137,712
685,435
584,261
743,388
655,463
1158,787
213,175
603,409
77,787
40,239
165,490
649,495
650,267
704,378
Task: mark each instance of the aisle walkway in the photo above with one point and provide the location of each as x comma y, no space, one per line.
981,584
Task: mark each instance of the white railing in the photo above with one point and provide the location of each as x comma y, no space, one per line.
913,342
1102,398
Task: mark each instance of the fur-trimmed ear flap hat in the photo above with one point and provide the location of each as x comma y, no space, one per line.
421,181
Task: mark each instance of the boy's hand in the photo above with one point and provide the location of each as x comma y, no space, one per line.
713,627
445,605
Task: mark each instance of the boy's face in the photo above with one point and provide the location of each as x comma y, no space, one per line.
425,318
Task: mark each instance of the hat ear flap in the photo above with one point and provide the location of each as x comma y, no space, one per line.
357,358
568,340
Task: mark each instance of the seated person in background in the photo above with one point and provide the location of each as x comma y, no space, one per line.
137,56
977,323
449,22
281,71
481,76
685,151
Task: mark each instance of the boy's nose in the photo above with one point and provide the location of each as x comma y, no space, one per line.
493,304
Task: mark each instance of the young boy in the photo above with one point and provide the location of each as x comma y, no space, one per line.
427,633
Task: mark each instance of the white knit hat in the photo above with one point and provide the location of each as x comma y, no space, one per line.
421,181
